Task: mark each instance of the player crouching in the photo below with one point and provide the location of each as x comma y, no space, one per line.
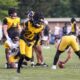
11,49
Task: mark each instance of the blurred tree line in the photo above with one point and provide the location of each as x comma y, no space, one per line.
4,6
50,8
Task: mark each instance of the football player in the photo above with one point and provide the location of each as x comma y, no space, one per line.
70,51
11,50
27,37
37,46
45,37
66,42
11,23
73,26
38,49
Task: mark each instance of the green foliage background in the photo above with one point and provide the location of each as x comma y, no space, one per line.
5,5
50,8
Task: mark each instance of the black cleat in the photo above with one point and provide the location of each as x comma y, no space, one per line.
25,63
38,64
8,66
32,65
44,64
18,70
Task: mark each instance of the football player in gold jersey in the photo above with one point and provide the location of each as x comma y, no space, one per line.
11,23
66,42
11,50
39,55
73,26
28,37
37,46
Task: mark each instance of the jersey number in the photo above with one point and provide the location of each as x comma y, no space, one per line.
29,35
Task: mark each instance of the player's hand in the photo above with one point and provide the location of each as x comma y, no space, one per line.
61,64
28,43
14,50
8,38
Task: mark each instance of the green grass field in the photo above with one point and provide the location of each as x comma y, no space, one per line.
70,72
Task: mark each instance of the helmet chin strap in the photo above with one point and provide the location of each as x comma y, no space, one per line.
35,24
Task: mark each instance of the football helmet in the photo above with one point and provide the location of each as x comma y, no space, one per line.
11,11
38,19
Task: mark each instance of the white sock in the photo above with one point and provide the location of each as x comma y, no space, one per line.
53,67
32,62
42,62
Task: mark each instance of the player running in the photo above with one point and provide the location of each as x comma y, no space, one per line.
27,37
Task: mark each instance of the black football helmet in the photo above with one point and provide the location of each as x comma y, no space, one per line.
73,19
15,36
11,11
38,19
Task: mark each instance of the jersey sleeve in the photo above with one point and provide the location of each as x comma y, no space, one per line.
18,20
4,21
6,45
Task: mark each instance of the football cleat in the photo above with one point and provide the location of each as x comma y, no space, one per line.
32,65
39,64
18,70
44,64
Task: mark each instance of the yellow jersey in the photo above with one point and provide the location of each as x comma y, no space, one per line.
30,32
12,22
73,27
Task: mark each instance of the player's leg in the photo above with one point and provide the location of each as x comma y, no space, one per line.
61,47
7,53
56,58
40,59
17,55
38,51
22,54
29,54
75,47
13,61
25,51
32,59
20,62
37,56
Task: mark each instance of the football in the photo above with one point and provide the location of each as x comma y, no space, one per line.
60,64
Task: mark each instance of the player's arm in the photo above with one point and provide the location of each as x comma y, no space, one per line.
67,59
7,51
19,26
5,28
75,26
69,52
42,32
